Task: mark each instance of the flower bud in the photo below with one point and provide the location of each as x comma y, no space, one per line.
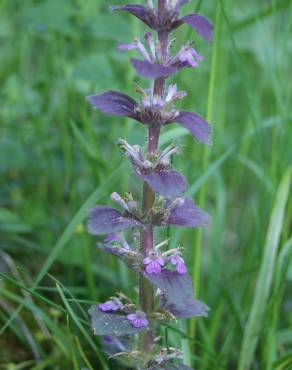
119,200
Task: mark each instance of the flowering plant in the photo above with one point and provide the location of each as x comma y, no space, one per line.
165,289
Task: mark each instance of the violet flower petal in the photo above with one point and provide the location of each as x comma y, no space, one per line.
131,316
198,127
153,267
138,11
188,215
140,323
177,294
138,319
181,268
105,220
168,183
179,263
151,70
146,260
114,102
104,323
110,305
199,23
160,260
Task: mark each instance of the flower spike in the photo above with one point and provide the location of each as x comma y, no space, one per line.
165,289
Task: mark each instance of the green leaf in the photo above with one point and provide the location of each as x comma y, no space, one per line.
284,363
10,222
51,15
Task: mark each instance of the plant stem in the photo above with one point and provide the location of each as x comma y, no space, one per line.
146,290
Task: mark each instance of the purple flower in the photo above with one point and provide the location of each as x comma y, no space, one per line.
138,319
110,305
178,262
154,65
153,263
187,56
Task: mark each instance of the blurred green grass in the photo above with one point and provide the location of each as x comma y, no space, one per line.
58,157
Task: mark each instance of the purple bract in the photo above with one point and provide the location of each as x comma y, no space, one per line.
171,20
186,213
106,220
118,104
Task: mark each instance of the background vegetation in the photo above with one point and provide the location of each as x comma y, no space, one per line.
58,158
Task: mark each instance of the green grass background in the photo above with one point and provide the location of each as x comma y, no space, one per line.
58,158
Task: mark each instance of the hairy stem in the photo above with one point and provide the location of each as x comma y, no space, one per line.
146,290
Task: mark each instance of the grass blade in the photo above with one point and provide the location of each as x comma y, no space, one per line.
69,231
264,282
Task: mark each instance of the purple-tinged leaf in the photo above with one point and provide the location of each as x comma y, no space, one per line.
199,23
114,102
188,214
151,70
177,294
105,220
168,183
112,345
197,126
138,11
104,323
169,366
176,367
